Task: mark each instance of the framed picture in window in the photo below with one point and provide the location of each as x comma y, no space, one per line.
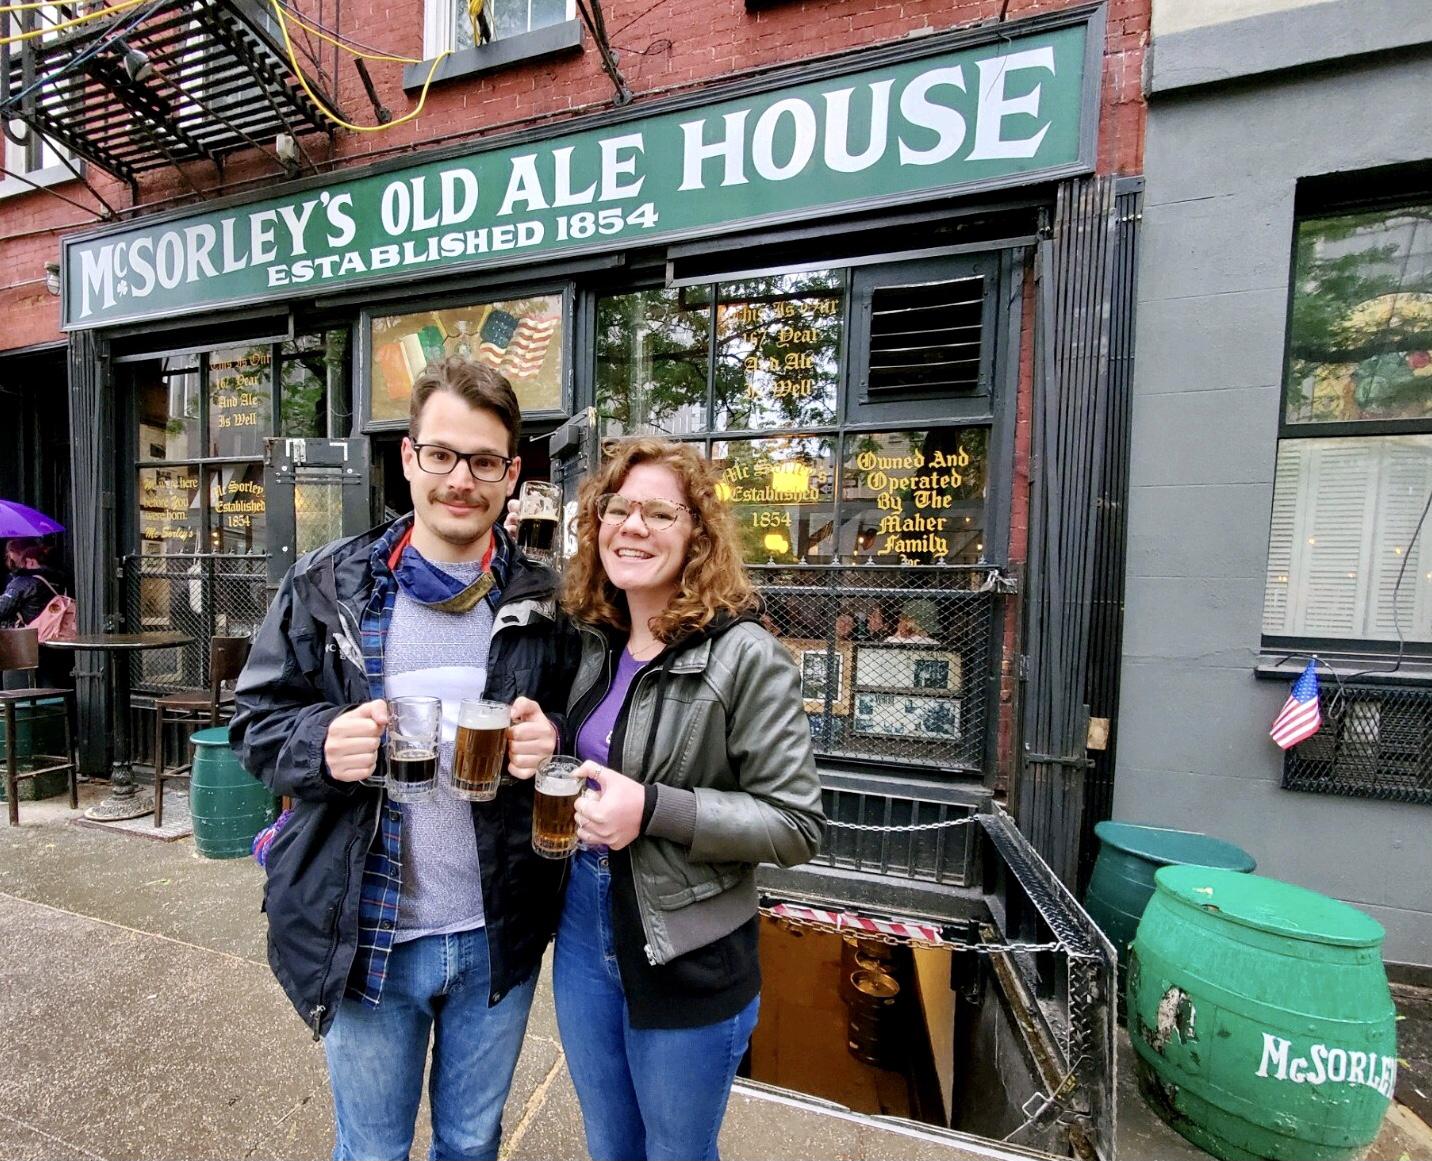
824,672
898,715
897,668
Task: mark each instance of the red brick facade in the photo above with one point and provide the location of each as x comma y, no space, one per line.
665,46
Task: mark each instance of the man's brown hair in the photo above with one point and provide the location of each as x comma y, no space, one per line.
477,385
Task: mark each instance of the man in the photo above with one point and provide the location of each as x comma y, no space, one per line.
389,922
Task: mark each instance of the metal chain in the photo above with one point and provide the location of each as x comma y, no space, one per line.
945,825
911,941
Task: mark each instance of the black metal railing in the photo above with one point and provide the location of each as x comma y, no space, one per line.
1375,742
898,665
201,595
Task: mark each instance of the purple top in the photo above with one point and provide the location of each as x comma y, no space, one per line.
594,739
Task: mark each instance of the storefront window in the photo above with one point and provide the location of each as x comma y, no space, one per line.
782,493
1344,514
236,508
167,400
240,400
652,355
915,496
169,516
1360,337
778,351
309,368
522,338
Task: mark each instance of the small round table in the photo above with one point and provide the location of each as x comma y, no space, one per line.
125,799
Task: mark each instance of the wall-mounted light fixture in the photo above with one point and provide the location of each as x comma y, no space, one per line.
136,64
52,278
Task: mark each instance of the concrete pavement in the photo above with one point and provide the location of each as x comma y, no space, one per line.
141,1021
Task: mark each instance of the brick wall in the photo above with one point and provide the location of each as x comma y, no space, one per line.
665,46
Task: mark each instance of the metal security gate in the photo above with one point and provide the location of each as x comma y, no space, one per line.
317,491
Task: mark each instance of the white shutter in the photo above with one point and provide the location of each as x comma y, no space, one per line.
1280,541
1406,478
1331,544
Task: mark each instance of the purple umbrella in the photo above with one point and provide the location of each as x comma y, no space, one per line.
18,520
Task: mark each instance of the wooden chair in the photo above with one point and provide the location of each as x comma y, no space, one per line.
20,651
196,707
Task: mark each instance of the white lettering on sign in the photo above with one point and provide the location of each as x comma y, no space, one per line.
1323,1065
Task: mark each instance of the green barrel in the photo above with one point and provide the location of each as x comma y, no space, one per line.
1260,1017
228,804
1123,878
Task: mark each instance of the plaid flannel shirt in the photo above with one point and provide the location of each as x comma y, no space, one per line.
383,869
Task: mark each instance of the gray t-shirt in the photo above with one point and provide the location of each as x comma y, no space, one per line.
444,655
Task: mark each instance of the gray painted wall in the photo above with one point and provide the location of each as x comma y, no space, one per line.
1221,166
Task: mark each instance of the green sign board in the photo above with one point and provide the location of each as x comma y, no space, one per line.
1019,108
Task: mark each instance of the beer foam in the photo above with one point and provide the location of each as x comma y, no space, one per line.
560,786
484,716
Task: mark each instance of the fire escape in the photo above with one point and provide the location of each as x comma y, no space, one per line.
142,85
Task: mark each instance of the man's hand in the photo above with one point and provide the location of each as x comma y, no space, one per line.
532,739
610,815
351,748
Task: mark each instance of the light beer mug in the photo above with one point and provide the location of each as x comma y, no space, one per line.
538,509
480,752
414,731
554,806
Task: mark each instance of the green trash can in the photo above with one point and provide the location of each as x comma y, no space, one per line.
1260,1017
228,804
1123,878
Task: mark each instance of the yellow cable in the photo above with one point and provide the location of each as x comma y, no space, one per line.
327,112
349,48
49,28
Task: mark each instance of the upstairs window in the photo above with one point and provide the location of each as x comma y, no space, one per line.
450,27
1354,466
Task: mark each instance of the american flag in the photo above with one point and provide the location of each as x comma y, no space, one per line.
516,347
1300,717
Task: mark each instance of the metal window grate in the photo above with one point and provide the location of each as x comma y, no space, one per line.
201,595
926,339
896,664
1375,742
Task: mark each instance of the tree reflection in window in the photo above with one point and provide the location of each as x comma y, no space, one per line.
778,351
652,353
1360,340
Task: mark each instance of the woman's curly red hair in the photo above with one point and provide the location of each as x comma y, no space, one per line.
714,580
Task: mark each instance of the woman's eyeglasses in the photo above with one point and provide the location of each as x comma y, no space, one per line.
437,460
655,514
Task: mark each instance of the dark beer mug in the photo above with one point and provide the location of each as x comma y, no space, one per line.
539,507
480,752
414,731
554,806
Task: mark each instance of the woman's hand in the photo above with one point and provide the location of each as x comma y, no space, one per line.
510,522
531,740
611,814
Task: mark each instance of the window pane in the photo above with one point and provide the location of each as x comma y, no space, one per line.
782,493
1360,342
512,17
1344,511
240,400
237,508
778,351
522,338
915,496
318,365
169,510
167,398
651,362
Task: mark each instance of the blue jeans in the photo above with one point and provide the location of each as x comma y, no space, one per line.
437,986
647,1094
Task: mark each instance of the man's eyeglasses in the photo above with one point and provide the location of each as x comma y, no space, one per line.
437,460
655,514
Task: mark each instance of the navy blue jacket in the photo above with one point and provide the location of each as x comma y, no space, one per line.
304,670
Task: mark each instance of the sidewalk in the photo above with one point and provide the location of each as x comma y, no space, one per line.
141,1021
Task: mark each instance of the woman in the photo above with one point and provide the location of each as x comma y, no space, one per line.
33,583
689,716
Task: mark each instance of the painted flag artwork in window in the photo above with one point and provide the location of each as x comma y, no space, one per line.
521,338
